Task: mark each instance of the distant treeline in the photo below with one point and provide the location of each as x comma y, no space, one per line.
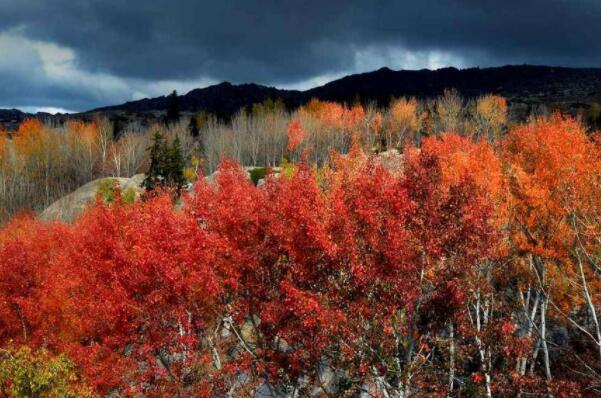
40,162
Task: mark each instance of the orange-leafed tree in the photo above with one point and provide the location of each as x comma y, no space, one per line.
332,115
460,157
29,136
3,142
37,157
29,128
554,172
329,125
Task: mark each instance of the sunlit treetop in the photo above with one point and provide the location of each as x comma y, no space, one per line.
334,115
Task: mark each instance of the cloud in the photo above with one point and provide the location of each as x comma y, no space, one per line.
86,53
39,73
46,109
374,57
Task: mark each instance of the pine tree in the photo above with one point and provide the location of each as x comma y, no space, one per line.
173,110
155,175
176,165
193,127
166,164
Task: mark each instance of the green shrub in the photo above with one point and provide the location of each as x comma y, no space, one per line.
129,195
25,373
257,173
106,190
288,169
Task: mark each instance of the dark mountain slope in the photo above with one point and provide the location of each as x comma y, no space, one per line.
11,118
525,86
522,84
223,99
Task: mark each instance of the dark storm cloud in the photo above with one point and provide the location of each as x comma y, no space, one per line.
283,42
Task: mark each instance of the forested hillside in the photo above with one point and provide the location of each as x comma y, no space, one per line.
421,249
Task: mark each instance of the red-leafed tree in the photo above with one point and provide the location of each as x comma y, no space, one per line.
454,227
128,293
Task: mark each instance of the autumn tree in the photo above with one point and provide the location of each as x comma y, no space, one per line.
454,227
446,113
491,116
464,268
403,121
295,135
127,155
554,177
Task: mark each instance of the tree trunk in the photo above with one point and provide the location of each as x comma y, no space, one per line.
451,358
591,307
483,355
530,315
543,336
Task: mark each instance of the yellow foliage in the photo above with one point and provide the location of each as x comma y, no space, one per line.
491,111
25,373
402,121
190,174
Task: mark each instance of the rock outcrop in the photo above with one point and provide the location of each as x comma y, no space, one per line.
69,207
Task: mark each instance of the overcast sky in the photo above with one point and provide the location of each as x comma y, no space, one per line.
81,54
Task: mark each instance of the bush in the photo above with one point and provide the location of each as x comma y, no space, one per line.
257,173
106,190
25,374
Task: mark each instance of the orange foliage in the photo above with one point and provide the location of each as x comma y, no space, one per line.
28,135
554,170
460,157
30,127
3,144
87,132
334,115
346,166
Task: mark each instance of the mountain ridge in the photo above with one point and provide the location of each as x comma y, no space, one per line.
525,87
519,83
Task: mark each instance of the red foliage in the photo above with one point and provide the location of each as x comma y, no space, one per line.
295,135
361,271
